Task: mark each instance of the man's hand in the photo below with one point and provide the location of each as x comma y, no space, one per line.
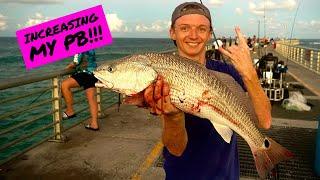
241,59
156,97
240,56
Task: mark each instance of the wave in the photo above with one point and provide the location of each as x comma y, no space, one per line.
9,56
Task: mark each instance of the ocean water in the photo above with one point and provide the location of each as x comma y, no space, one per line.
310,43
12,66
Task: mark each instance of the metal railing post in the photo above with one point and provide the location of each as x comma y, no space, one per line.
318,62
290,53
56,116
298,55
301,56
285,51
311,59
293,54
305,59
98,94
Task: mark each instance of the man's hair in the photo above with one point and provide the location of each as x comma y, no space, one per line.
190,8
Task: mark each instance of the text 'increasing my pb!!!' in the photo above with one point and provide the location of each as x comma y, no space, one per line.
63,37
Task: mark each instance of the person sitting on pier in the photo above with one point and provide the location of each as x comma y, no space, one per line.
84,64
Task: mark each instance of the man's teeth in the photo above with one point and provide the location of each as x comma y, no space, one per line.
192,44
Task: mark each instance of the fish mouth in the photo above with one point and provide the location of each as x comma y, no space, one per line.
104,83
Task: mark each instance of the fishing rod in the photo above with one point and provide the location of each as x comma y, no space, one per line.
34,100
290,39
214,37
294,20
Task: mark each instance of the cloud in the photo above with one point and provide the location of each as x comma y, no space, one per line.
269,5
157,26
313,24
253,21
37,19
275,26
238,11
253,9
116,24
3,22
216,2
32,1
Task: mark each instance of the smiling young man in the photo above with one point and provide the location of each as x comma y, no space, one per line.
193,148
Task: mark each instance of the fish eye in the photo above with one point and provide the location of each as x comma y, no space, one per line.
110,69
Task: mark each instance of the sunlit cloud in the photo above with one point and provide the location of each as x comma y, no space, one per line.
116,24
3,22
157,26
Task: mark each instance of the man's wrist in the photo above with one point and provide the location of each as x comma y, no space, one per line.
250,78
173,120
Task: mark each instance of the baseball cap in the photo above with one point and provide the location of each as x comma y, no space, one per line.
190,8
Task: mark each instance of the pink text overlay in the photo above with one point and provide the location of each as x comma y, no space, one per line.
63,37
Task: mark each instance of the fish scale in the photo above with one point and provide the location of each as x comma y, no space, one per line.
196,90
187,69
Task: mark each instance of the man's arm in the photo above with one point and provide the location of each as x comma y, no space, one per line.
174,134
241,59
259,100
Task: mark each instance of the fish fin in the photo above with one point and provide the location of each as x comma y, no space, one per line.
268,156
224,131
237,90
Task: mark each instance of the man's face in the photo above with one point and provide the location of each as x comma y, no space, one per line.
191,33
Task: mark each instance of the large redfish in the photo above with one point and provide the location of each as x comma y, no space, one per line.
196,90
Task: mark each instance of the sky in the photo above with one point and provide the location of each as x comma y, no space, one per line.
151,18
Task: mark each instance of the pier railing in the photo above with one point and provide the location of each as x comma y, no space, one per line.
31,112
307,57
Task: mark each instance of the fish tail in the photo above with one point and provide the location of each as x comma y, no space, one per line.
267,157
